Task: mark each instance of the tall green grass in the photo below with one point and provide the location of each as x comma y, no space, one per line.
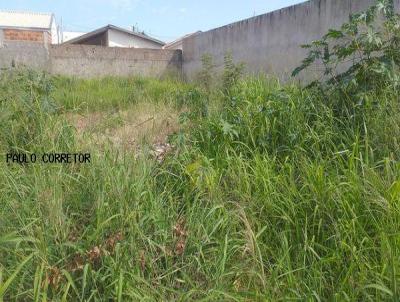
272,195
113,93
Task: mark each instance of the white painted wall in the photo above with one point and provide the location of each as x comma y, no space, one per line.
54,32
174,45
69,35
121,39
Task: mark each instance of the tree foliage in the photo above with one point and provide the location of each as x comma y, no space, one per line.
362,55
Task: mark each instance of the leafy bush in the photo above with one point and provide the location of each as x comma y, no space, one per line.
205,77
363,55
232,73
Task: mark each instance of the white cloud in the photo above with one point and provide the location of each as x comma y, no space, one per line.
183,10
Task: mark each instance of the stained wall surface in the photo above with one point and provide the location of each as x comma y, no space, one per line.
90,61
270,43
96,61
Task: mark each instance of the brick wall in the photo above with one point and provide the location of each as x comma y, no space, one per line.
24,35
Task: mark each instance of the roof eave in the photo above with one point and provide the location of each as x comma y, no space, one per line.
25,28
110,26
87,35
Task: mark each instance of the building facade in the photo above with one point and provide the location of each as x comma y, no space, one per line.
28,26
113,36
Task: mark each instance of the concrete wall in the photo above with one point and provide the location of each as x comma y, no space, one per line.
270,43
97,61
32,54
90,61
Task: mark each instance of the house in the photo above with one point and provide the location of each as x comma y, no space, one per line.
69,35
114,36
178,43
28,26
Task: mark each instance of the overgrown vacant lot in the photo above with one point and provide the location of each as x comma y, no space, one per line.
125,112
263,193
270,196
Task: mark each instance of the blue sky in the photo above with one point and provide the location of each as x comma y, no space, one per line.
164,19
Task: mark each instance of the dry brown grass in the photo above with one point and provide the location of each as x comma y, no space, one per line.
127,129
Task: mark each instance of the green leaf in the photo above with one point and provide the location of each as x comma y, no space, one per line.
228,129
4,286
381,288
334,34
71,281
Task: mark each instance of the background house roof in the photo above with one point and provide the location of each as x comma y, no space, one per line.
179,40
17,19
110,26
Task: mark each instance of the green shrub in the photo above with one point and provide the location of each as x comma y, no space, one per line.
363,55
206,75
232,73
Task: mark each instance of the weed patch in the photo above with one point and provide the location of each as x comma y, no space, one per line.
253,191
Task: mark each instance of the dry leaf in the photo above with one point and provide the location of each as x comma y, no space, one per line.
237,284
94,254
179,228
76,264
180,246
113,240
168,251
142,260
160,150
54,277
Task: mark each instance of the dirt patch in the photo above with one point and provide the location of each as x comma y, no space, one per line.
128,129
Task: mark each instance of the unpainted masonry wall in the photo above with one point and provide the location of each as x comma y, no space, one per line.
270,43
90,61
96,61
31,54
23,35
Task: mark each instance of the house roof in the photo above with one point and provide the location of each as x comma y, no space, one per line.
110,26
179,40
19,19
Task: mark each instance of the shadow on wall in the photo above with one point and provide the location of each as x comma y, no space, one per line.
174,67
